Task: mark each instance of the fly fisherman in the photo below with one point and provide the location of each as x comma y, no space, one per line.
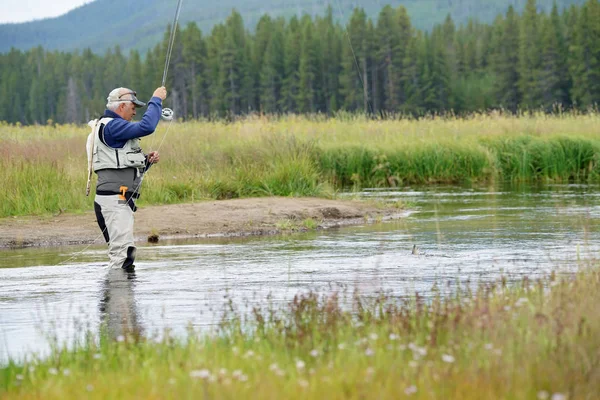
115,155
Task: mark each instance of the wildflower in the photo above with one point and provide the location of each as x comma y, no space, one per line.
31,369
369,352
237,373
521,301
89,388
410,390
67,372
279,372
200,373
314,353
273,367
97,356
558,396
393,336
489,346
413,364
542,395
303,383
249,354
506,308
53,371
341,346
120,338
243,378
373,336
222,372
300,364
19,377
447,358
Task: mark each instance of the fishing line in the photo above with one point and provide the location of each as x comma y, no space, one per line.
362,81
167,115
171,40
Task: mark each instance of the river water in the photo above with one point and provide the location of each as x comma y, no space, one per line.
463,234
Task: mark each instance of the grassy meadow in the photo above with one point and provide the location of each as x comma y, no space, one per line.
43,168
534,340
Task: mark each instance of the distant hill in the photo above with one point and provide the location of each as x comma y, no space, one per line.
103,24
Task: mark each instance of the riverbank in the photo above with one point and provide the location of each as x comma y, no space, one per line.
534,340
237,217
43,168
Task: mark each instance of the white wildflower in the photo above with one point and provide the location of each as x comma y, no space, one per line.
314,353
223,372
97,356
52,371
120,338
66,372
249,354
303,383
369,352
488,346
300,364
341,346
410,390
558,396
447,358
273,367
200,373
89,388
393,336
19,377
543,395
413,364
373,336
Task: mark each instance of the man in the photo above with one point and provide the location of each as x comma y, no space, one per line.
115,155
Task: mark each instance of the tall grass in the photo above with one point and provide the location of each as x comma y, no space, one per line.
535,340
43,168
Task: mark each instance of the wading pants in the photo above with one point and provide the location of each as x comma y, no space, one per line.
115,219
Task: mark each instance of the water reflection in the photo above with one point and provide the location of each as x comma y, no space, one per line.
118,308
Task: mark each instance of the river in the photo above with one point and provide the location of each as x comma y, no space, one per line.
464,235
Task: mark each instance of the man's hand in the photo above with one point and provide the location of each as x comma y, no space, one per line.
153,157
160,92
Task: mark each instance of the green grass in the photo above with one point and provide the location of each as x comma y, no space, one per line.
43,168
523,341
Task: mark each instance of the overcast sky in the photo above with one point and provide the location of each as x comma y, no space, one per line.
27,10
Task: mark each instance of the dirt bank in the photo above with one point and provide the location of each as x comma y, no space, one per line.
239,217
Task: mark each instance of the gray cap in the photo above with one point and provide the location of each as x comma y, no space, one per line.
120,95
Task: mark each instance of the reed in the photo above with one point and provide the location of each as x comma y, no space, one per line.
43,168
531,340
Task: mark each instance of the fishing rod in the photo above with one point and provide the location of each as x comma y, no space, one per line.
167,113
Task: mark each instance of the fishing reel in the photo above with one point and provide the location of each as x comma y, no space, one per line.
167,114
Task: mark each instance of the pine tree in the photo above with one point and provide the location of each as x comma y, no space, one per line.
506,63
530,59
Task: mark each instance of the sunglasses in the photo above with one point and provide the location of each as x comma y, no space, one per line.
134,94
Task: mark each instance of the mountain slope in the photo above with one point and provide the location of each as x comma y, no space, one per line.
102,24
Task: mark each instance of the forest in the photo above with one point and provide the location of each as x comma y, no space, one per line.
314,65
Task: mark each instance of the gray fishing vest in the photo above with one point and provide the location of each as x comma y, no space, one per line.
106,157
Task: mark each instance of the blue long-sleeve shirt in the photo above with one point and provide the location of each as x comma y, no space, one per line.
118,131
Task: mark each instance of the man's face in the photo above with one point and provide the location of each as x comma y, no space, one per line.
127,110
